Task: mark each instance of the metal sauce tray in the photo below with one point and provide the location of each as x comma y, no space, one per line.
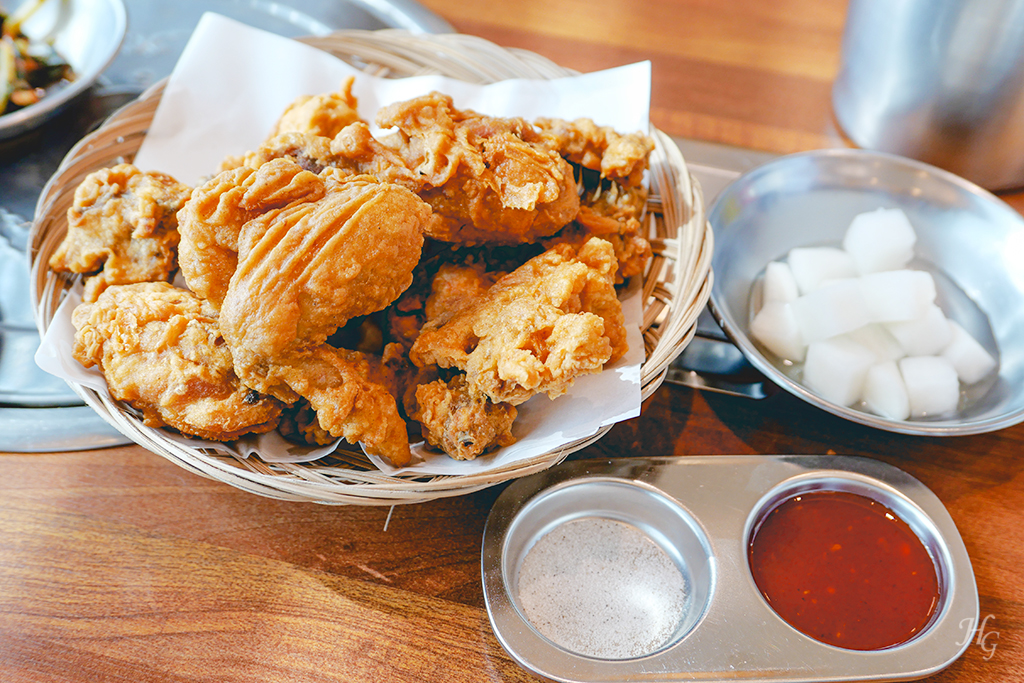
701,512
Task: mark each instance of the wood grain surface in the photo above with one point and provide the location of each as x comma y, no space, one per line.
116,565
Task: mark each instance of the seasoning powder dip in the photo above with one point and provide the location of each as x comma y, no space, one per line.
602,588
845,570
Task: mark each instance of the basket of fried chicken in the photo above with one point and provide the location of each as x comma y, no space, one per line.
381,299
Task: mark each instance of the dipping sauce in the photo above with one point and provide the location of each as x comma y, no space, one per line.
602,588
845,570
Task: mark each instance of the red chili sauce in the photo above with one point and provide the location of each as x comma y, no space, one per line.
844,570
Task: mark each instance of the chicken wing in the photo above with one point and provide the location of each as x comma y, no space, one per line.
161,352
122,227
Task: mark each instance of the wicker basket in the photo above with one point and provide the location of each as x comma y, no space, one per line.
676,286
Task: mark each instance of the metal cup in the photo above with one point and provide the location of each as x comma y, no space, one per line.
941,81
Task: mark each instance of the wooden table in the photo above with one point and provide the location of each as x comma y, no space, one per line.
116,565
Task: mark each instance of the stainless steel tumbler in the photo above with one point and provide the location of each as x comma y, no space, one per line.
941,81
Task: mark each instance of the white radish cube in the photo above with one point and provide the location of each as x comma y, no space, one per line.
811,266
775,326
779,284
968,357
880,240
932,385
898,295
836,308
885,393
835,369
925,336
878,340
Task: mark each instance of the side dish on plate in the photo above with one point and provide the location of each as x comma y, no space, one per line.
378,289
28,68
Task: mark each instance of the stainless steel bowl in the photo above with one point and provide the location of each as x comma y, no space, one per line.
971,241
86,33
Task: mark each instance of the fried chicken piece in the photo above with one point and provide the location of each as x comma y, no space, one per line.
322,115
619,157
210,222
307,269
161,352
356,151
122,226
350,399
303,271
455,286
352,151
460,421
614,215
299,425
485,182
537,329
311,152
357,374
403,378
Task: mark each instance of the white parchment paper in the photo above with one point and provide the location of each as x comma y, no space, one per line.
229,87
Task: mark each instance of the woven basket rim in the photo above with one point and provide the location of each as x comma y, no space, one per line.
673,297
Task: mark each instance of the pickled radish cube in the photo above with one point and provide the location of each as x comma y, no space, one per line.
775,326
924,336
880,240
968,357
898,295
885,393
779,284
836,308
932,385
835,369
879,341
811,266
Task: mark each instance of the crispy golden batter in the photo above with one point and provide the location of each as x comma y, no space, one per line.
619,157
612,212
461,422
353,372
307,269
456,286
613,215
356,151
122,225
162,353
353,151
485,182
304,271
322,115
340,387
538,328
210,222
